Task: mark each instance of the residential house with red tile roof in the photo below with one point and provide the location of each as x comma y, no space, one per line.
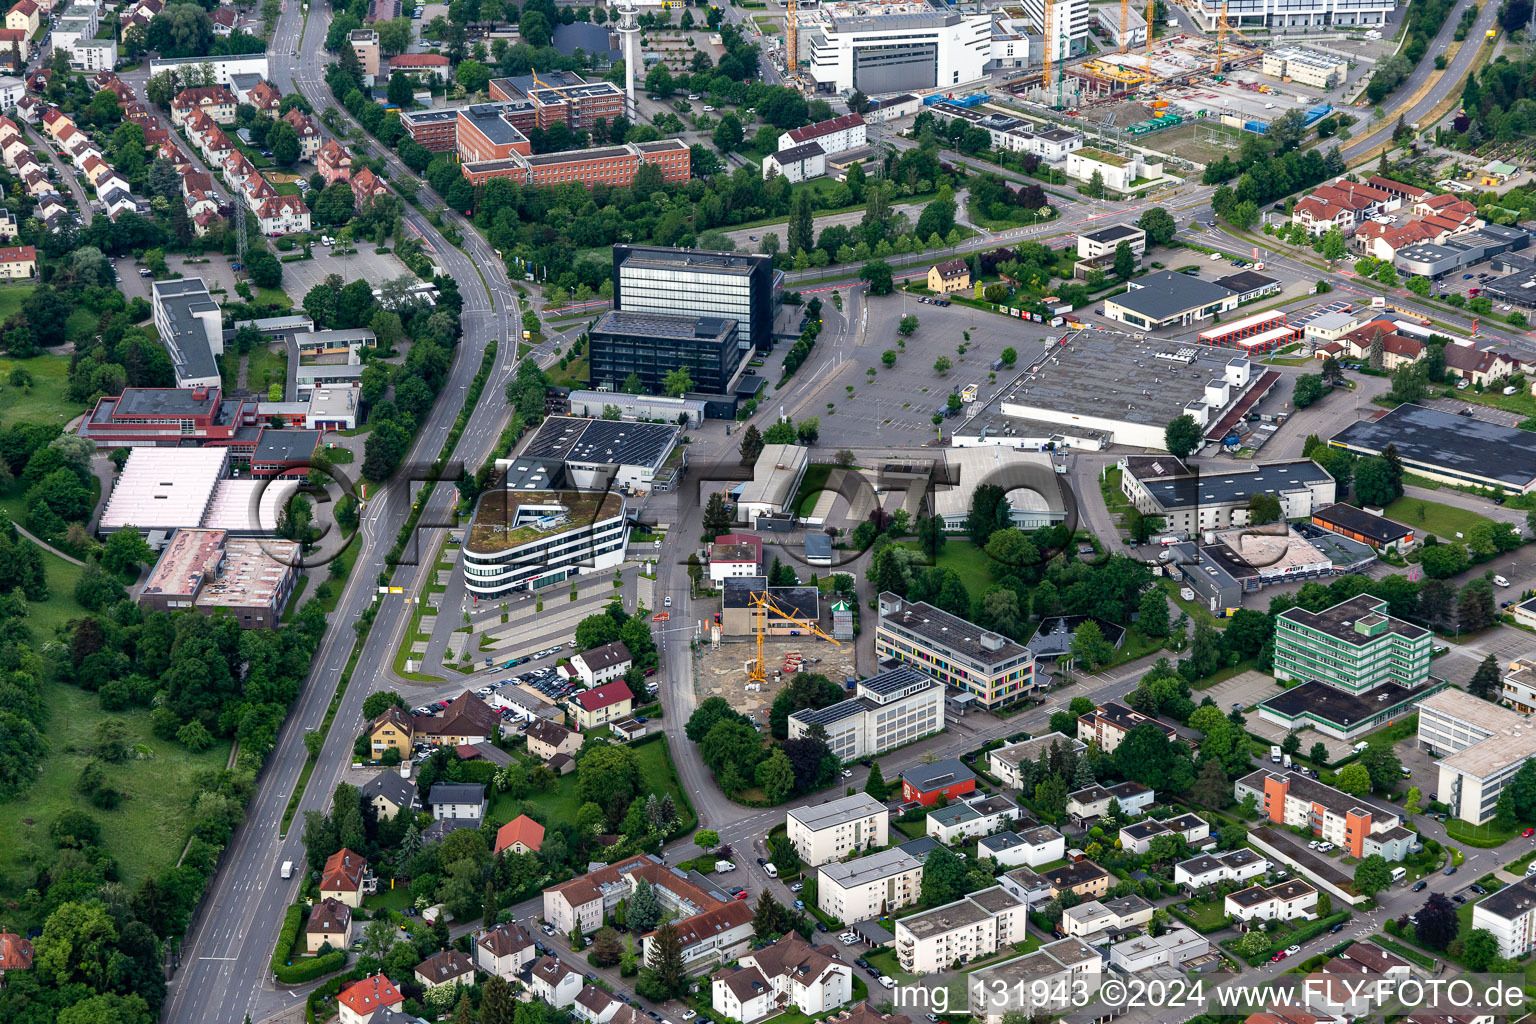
421,64
366,185
359,1002
217,101
1396,349
282,215
307,130
722,933
520,835
15,954
333,162
224,21
264,97
23,16
602,704
14,42
345,877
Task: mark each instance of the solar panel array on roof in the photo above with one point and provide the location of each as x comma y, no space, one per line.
608,442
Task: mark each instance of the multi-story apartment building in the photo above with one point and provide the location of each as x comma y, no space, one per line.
1054,979
1005,760
1510,914
504,950
365,44
1108,724
1283,902
585,901
1354,645
868,887
833,136
968,929
789,973
719,934
1356,825
698,282
1480,745
826,832
987,665
889,709
1211,868
216,101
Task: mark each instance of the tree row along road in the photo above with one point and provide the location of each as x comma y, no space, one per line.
1450,79
224,973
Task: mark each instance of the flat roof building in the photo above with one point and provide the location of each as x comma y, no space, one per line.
599,454
890,709
1480,745
958,653
826,832
869,887
1354,645
775,480
164,489
1029,480
649,346
1193,499
210,571
1452,449
192,329
698,282
1340,713
529,540
1380,533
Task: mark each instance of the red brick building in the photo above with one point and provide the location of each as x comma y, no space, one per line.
612,165
166,416
925,783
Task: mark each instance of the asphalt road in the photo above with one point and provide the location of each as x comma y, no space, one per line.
1455,72
223,974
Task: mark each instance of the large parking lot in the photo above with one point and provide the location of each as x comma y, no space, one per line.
366,264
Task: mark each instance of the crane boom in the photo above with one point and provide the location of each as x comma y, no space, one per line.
1151,9
1221,36
1045,30
791,41
1125,23
763,602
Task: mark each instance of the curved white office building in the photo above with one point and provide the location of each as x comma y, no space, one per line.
529,540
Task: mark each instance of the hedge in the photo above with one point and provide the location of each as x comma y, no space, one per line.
1309,930
305,970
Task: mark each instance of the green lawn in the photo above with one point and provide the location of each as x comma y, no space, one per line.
80,325
968,560
265,366
1443,521
1207,914
47,400
274,296
146,833
61,606
12,296
563,801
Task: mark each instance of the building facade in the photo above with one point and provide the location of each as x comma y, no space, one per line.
1332,815
1354,645
989,666
822,833
889,709
869,887
697,282
1481,746
649,346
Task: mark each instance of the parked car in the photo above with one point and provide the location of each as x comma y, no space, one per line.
1292,950
1277,957
1336,928
798,886
1478,889
1418,886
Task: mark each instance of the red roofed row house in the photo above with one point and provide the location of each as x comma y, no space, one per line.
276,214
1343,205
215,101
1440,218
1396,349
706,926
334,162
112,189
15,954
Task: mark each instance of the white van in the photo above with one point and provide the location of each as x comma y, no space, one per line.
1216,257
1399,875
287,869
1274,755
773,872
1360,747
1500,581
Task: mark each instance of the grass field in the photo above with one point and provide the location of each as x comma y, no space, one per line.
265,366
12,296
47,400
145,833
811,486
969,561
1444,521
563,801
61,605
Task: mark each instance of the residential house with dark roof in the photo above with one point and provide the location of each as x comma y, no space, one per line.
449,967
390,793
329,924
554,983
546,740
602,664
462,800
504,950
949,276
925,783
791,972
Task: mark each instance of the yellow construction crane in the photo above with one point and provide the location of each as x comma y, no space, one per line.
764,603
1222,28
1125,23
1045,75
1151,8
791,41
543,84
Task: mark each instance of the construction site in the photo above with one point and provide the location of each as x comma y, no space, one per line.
765,635
1187,96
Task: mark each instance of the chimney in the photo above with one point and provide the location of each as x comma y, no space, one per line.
200,394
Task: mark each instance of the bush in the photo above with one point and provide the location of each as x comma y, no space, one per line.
305,970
